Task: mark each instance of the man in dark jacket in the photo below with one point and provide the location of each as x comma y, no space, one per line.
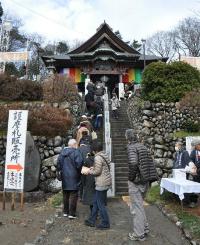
181,157
141,173
89,100
195,158
91,87
69,164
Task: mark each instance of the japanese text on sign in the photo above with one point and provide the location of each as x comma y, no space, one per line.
15,150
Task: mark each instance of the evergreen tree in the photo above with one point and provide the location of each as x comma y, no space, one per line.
136,45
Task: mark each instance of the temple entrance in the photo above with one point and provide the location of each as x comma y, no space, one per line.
111,82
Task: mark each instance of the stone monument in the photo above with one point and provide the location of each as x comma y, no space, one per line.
32,165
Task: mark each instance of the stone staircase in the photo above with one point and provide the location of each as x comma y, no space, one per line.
119,152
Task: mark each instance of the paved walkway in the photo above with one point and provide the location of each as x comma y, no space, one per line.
65,231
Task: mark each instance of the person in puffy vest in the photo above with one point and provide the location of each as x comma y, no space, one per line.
141,173
103,181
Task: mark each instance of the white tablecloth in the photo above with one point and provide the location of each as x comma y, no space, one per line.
179,186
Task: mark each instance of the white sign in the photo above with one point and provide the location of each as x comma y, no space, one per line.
189,140
87,80
15,150
121,91
13,56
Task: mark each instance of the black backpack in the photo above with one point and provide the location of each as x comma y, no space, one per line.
147,174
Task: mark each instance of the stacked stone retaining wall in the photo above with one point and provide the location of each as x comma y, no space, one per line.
156,124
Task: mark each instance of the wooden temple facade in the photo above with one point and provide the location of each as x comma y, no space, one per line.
105,57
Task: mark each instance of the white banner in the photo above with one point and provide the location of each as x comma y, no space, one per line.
15,150
87,80
121,91
13,56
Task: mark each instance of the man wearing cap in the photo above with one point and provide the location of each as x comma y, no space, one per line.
141,173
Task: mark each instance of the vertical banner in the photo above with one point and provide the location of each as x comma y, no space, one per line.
138,76
77,75
121,91
87,80
15,151
131,75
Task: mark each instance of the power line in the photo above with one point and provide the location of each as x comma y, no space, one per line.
45,17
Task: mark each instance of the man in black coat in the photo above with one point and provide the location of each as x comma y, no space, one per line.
181,157
69,164
89,100
195,158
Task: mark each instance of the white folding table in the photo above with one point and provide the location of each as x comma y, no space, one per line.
179,186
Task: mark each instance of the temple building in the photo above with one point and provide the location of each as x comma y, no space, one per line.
103,57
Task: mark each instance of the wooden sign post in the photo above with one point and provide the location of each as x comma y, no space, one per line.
15,155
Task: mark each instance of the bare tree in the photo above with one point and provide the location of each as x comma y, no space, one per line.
161,44
187,36
75,44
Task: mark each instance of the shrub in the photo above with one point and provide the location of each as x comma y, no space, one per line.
45,121
49,121
168,82
191,99
12,89
59,88
191,126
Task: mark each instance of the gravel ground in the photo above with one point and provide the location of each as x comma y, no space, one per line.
74,232
18,227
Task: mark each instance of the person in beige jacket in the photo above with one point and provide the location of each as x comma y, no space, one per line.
101,171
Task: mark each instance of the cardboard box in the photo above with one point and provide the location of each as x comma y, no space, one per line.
179,174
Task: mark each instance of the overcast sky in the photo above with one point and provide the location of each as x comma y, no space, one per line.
79,19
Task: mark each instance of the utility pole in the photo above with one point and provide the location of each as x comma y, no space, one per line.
144,51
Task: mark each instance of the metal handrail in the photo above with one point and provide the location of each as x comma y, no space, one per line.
108,140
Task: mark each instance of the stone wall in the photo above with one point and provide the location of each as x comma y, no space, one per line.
49,148
156,124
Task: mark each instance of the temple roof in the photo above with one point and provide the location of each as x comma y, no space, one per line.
104,44
104,32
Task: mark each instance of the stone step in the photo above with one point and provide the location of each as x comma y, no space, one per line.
122,184
121,158
120,165
119,144
122,193
118,149
120,175
120,154
121,168
120,161
118,141
121,172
